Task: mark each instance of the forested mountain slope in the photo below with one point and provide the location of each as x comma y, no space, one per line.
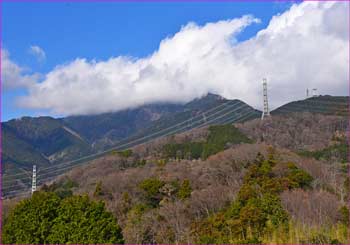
297,131
49,141
233,187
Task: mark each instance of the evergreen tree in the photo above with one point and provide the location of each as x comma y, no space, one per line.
47,218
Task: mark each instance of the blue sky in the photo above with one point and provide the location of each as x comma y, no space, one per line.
99,31
66,32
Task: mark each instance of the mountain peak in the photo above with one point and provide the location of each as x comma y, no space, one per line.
213,96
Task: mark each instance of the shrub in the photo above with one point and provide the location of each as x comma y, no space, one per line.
184,190
63,188
47,218
98,189
125,153
299,178
344,215
257,211
151,188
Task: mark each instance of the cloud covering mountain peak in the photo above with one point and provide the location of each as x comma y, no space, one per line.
304,47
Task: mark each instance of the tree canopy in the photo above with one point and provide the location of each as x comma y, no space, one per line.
48,218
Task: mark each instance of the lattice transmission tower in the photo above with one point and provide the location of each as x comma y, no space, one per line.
266,111
34,179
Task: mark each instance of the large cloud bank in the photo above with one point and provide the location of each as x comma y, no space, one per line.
305,47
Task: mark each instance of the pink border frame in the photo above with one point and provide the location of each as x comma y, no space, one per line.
199,1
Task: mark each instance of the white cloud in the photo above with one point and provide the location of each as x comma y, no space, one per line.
305,47
38,52
14,76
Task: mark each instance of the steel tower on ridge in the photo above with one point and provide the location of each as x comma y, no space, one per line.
34,179
266,111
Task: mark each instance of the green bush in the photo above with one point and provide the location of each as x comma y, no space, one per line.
184,190
63,188
257,210
140,163
47,218
151,189
189,150
339,151
98,189
298,178
344,215
125,153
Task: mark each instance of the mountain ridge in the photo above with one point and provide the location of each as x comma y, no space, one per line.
53,140
47,141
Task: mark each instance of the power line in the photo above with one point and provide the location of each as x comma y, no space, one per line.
202,125
179,129
4,188
14,180
231,118
58,169
243,118
17,174
198,116
240,117
173,126
136,140
169,133
26,193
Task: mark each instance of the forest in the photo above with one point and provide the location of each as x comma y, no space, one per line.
219,184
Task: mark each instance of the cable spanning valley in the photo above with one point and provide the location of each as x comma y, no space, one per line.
227,112
220,114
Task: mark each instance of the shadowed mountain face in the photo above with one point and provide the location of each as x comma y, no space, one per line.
118,125
46,140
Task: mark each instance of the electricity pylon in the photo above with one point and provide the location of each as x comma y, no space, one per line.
34,179
266,111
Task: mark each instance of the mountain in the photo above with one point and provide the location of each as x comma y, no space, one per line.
18,152
109,128
47,141
208,110
277,181
49,137
324,104
218,183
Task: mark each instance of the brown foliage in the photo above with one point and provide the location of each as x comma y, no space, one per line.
311,207
295,131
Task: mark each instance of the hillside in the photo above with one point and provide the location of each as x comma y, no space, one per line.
324,104
297,131
47,136
209,110
47,142
247,183
157,199
112,127
19,152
